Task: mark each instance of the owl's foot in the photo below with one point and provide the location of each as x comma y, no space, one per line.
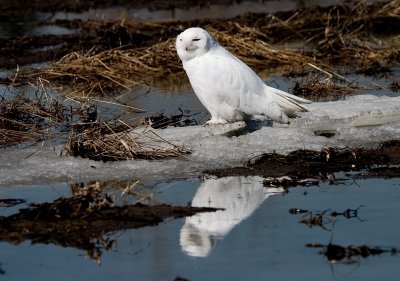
215,121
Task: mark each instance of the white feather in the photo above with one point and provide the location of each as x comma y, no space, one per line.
229,89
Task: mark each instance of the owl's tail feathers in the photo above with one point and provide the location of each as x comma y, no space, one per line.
289,103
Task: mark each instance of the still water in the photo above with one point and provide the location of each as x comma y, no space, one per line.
254,238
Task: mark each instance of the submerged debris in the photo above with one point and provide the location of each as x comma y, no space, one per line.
181,119
394,86
286,182
11,202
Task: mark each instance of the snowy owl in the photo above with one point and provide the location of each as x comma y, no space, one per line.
229,89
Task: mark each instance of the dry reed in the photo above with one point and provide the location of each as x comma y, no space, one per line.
315,88
90,73
31,118
104,141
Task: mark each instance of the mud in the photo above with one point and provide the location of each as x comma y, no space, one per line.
83,221
308,167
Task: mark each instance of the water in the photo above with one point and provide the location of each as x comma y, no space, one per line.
29,25
267,244
217,9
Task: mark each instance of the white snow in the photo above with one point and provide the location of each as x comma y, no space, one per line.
361,121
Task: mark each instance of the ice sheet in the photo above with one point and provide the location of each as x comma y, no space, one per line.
361,121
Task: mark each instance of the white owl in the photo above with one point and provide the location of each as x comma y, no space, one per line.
229,89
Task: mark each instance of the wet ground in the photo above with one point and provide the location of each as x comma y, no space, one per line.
329,214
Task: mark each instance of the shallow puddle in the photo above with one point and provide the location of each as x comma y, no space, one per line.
254,236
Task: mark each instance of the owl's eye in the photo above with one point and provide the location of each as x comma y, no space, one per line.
196,39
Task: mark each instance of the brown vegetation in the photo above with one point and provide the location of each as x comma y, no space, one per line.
115,55
111,142
29,118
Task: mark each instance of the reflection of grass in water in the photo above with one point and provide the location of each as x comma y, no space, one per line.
85,221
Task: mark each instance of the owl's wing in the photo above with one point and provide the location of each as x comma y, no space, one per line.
228,80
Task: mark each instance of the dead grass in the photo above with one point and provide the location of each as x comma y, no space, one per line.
27,118
105,141
258,53
30,118
340,34
315,87
90,73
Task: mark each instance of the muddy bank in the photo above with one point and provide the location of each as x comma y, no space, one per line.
308,167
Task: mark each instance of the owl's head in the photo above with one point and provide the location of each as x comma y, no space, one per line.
193,42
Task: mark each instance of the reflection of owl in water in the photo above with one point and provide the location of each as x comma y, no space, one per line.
239,196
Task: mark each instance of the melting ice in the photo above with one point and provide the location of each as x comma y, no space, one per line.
360,121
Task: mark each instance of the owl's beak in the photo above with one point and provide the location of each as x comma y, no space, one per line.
191,48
